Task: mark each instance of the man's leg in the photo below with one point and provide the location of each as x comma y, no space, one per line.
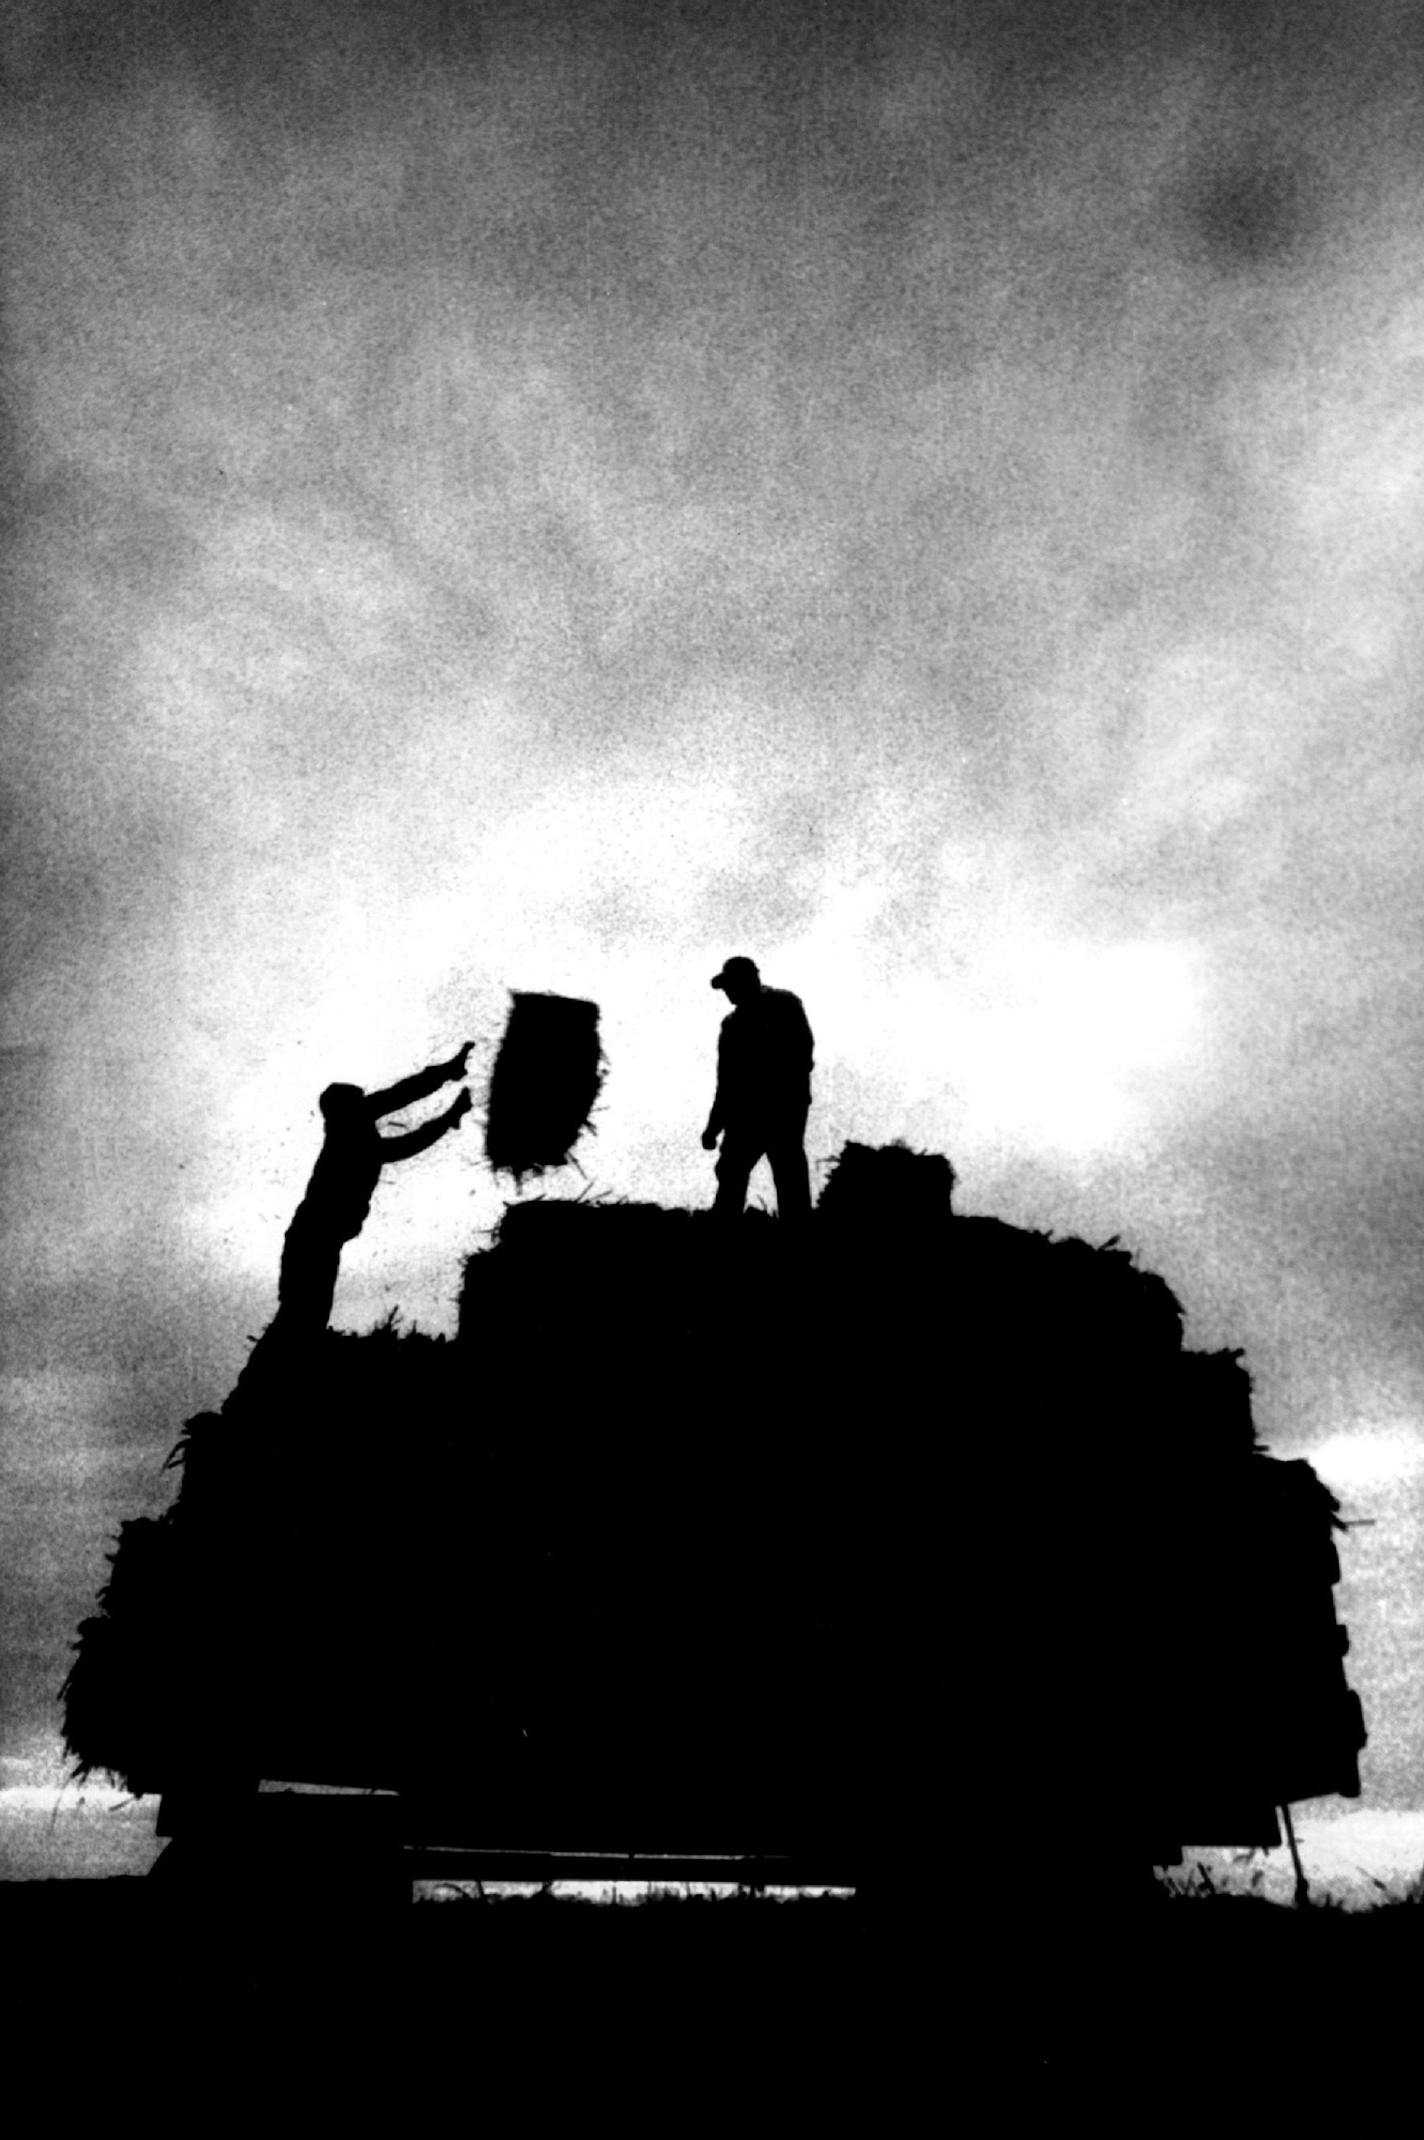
306,1282
787,1153
739,1154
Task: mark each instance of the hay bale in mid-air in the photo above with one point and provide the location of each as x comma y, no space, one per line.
545,1080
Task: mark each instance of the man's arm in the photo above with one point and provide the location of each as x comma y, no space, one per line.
795,1046
419,1087
717,1120
420,1140
807,1038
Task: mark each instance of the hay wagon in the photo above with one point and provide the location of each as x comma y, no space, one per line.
710,1553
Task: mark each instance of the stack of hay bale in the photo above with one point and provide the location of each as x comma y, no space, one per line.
696,1539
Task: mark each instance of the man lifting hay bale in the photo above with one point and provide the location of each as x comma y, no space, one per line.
343,1181
764,1057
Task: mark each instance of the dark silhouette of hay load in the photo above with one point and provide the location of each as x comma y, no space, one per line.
126,1684
545,1080
998,1515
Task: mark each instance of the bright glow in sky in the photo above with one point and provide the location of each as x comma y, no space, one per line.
1067,1058
1062,1044
1366,1459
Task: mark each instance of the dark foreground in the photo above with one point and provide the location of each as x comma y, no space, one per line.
516,2006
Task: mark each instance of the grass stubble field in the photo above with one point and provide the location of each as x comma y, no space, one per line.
127,1996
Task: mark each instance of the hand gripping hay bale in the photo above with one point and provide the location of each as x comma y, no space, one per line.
545,1080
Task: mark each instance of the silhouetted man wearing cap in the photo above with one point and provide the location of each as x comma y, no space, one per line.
764,1060
343,1181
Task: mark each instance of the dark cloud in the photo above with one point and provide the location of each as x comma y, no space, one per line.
1255,214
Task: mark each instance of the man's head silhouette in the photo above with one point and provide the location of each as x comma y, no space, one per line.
341,1102
739,980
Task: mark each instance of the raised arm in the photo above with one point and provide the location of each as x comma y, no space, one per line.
420,1140
419,1087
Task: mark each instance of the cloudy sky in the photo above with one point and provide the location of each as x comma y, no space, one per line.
547,496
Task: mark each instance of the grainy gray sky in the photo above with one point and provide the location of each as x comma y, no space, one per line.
532,497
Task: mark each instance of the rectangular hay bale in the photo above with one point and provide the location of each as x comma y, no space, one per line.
545,1080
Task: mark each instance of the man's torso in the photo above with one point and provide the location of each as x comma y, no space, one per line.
344,1179
766,1054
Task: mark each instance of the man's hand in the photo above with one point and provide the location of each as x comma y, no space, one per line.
709,1139
460,1109
459,1060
